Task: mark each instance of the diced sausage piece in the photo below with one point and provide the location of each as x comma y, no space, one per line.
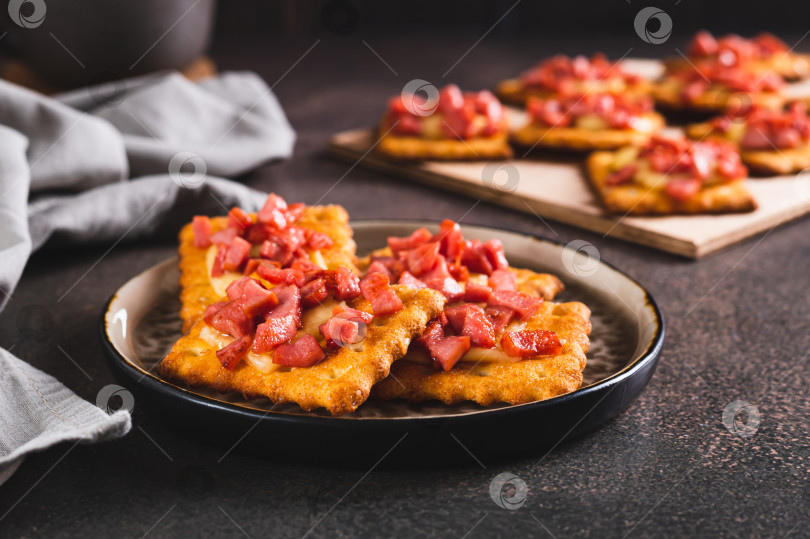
449,350
378,292
530,343
295,212
201,227
448,286
234,290
304,352
251,265
494,252
450,239
387,264
450,98
458,123
232,354
212,310
275,249
500,316
273,213
342,283
474,257
755,139
273,332
416,239
434,332
305,265
424,258
523,304
231,319
503,279
476,293
378,267
348,284
276,275
218,267
313,293
239,220
318,240
470,320
289,304
294,238
281,323
224,236
340,332
622,176
256,233
352,314
407,279
459,272
256,300
237,255
703,44
439,278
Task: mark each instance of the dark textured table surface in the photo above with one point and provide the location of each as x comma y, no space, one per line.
737,330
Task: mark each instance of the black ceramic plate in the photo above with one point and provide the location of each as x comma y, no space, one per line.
140,323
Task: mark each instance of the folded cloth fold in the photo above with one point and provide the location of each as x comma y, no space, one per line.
104,165
36,411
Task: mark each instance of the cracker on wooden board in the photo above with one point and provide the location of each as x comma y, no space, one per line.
574,138
640,200
410,148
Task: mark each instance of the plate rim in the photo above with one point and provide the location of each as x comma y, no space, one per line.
171,390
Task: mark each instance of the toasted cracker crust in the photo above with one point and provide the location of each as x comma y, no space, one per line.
416,148
574,138
638,200
519,382
667,94
513,91
340,383
763,162
196,291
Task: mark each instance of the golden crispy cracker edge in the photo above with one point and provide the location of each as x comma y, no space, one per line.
520,382
416,148
340,384
573,138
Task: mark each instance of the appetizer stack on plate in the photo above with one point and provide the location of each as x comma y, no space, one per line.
592,104
276,305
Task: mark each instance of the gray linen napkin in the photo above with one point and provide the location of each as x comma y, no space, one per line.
64,169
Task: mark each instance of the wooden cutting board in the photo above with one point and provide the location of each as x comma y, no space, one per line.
555,188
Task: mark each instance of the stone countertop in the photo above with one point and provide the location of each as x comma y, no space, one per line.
737,326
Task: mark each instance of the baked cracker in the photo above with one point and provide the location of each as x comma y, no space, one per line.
340,383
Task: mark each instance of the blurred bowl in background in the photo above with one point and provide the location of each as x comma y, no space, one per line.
71,44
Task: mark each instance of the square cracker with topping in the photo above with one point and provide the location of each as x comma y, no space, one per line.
409,148
340,383
199,289
413,378
632,199
488,382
